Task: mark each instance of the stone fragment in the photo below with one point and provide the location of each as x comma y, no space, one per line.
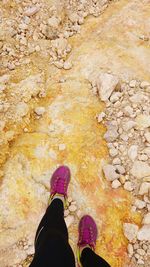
143,121
143,157
120,169
132,83
137,98
140,204
115,184
72,208
113,152
22,109
62,147
106,84
130,231
101,116
144,233
53,22
128,111
9,135
116,161
115,97
128,186
130,249
110,172
66,213
111,134
147,137
133,152
144,188
67,65
128,125
39,110
140,169
140,261
31,11
58,64
144,84
69,220
146,219
11,66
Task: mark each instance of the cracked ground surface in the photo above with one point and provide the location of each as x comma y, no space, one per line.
109,42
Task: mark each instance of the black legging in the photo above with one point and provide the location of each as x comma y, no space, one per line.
51,242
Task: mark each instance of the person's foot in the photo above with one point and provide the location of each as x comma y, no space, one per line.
59,182
87,234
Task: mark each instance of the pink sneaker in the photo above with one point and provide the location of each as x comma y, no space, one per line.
87,235
87,232
60,181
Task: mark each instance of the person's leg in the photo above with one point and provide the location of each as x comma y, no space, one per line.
90,258
51,242
87,242
53,219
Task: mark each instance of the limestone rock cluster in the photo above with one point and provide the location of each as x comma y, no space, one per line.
127,119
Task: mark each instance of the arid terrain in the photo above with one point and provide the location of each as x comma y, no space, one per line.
75,90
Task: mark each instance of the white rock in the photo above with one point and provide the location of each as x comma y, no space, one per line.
22,109
67,65
72,208
140,204
147,137
128,111
53,22
115,97
140,261
66,213
62,147
115,184
69,220
69,199
130,231
144,233
144,84
132,83
39,110
58,64
31,11
141,251
140,169
116,161
4,79
143,121
143,157
128,186
111,134
106,84
113,152
146,219
133,152
128,125
120,169
137,98
110,172
144,188
130,249
101,116
124,137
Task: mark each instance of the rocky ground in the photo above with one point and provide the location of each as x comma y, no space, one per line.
65,89
127,119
